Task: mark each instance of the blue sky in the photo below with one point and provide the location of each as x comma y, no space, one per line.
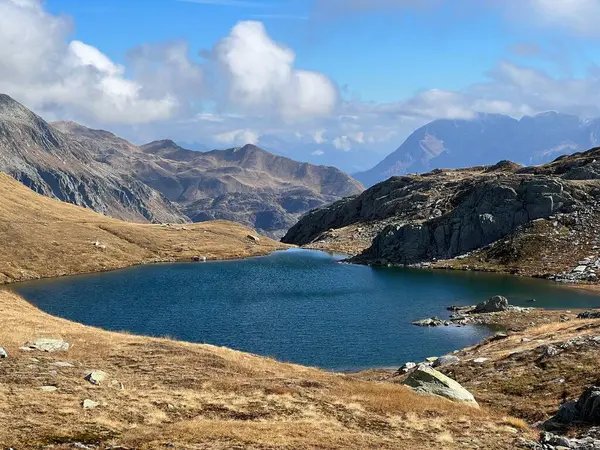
334,81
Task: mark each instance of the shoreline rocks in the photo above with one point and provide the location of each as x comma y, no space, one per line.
473,315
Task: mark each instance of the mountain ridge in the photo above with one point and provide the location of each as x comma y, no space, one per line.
162,181
451,144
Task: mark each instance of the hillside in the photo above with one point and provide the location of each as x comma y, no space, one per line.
246,185
540,221
53,164
163,394
43,237
158,392
451,144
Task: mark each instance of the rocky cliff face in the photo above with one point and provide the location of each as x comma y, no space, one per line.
51,163
447,214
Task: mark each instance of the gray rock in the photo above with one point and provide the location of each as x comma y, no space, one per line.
589,315
48,345
585,410
432,322
492,304
90,404
96,377
426,380
62,364
407,367
3,353
446,360
49,388
481,360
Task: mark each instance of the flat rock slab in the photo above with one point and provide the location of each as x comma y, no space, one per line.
49,388
480,360
48,345
96,377
63,364
90,404
426,380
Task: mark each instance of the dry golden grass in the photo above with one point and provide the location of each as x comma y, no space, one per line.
521,381
42,237
162,392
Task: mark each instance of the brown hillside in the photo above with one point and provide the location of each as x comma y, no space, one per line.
43,237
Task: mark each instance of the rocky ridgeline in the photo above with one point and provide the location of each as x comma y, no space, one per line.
161,182
53,164
448,214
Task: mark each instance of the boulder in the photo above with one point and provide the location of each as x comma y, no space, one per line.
3,353
446,361
426,380
481,360
96,377
48,345
253,238
492,304
584,410
407,367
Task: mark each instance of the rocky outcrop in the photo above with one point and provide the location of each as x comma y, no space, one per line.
426,380
53,164
512,213
493,304
487,212
586,410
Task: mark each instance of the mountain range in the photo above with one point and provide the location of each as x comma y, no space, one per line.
488,138
161,181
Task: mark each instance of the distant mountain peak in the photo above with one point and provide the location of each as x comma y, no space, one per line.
485,139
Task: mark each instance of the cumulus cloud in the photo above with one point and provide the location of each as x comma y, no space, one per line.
73,80
40,67
261,77
238,137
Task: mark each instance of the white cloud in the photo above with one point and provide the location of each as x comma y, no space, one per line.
41,68
261,77
238,137
342,143
318,136
318,153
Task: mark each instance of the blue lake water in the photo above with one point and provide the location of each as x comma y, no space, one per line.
299,306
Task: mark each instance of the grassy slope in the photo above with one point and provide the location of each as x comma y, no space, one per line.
200,396
194,396
42,237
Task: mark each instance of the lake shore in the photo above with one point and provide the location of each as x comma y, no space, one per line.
158,392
